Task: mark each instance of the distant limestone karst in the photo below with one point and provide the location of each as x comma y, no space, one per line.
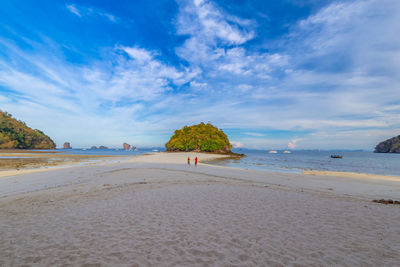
199,138
16,134
67,145
126,146
391,145
100,147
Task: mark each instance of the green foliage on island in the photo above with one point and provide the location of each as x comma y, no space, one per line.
16,134
391,145
200,137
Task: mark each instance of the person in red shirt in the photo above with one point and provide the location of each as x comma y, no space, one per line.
195,161
188,160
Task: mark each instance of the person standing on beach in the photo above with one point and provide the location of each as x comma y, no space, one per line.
195,161
188,160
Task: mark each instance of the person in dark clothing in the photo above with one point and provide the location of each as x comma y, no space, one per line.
188,160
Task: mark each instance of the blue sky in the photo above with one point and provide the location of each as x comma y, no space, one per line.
271,74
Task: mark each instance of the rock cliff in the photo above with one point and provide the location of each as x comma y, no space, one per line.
67,145
391,145
126,146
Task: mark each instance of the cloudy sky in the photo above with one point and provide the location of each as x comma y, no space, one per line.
271,74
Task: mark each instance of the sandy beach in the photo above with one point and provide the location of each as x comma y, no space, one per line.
155,210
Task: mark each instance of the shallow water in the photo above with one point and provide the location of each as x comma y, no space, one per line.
299,160
106,152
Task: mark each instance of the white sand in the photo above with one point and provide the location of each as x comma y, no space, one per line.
169,214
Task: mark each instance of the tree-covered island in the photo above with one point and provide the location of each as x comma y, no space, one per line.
200,138
15,134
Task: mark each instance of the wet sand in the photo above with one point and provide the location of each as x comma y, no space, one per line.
156,210
28,161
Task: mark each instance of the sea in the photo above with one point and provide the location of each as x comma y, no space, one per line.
295,162
299,160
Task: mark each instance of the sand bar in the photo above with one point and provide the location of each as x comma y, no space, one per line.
352,175
163,212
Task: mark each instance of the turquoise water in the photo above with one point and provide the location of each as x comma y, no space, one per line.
297,161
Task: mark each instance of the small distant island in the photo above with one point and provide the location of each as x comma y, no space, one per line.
200,138
67,145
100,147
15,134
391,145
129,147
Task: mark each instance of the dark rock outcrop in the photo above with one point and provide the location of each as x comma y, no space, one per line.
386,201
126,146
100,147
16,134
67,145
391,145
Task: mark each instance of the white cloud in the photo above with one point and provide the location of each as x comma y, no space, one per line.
210,29
216,45
74,10
203,18
82,11
254,134
139,54
197,84
236,144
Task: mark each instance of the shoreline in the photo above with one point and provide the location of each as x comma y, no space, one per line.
174,158
28,163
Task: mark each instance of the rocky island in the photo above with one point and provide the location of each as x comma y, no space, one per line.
67,145
16,134
391,145
199,138
127,146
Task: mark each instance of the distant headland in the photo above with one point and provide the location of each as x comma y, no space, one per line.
200,138
16,134
391,145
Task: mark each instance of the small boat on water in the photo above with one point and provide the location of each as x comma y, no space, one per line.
273,152
287,152
336,156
